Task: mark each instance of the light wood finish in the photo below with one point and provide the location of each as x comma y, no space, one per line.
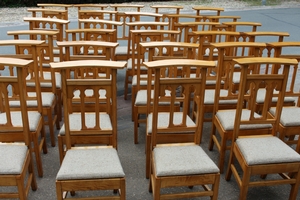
156,51
143,36
43,23
289,133
187,28
142,26
9,133
176,133
47,77
226,68
121,17
198,10
81,50
96,135
288,170
234,26
38,133
262,36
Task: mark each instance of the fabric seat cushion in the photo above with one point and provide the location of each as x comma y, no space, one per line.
91,163
261,97
33,117
290,116
75,122
266,150
182,160
209,97
47,84
12,158
47,100
163,120
227,117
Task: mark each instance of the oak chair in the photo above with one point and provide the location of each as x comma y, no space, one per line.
217,10
289,125
34,99
91,161
44,23
176,157
155,51
50,81
260,153
242,26
222,98
262,36
15,157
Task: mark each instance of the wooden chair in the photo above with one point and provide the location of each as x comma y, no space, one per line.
217,10
289,125
44,23
88,167
34,99
168,9
15,157
50,81
156,51
220,99
171,130
121,17
261,36
81,50
241,26
93,34
49,13
260,153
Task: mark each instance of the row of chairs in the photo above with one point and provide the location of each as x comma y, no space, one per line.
157,56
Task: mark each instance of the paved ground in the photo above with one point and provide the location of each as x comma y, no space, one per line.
132,155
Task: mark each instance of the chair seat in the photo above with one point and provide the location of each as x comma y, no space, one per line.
266,150
33,118
90,164
141,98
121,50
290,116
16,154
182,160
227,117
47,100
163,120
209,98
261,97
47,76
75,122
143,80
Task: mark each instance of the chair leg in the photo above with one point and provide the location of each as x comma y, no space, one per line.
126,85
136,124
59,192
244,185
212,135
230,163
31,172
51,126
123,190
21,188
36,148
156,188
148,150
60,144
222,153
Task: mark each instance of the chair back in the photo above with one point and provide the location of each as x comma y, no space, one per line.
169,88
250,83
13,88
89,91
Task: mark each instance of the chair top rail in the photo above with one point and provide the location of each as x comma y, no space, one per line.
54,5
239,23
21,42
14,61
33,32
216,33
45,19
239,44
88,63
91,5
46,10
90,30
285,44
148,14
183,62
266,33
92,43
266,60
101,21
168,44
